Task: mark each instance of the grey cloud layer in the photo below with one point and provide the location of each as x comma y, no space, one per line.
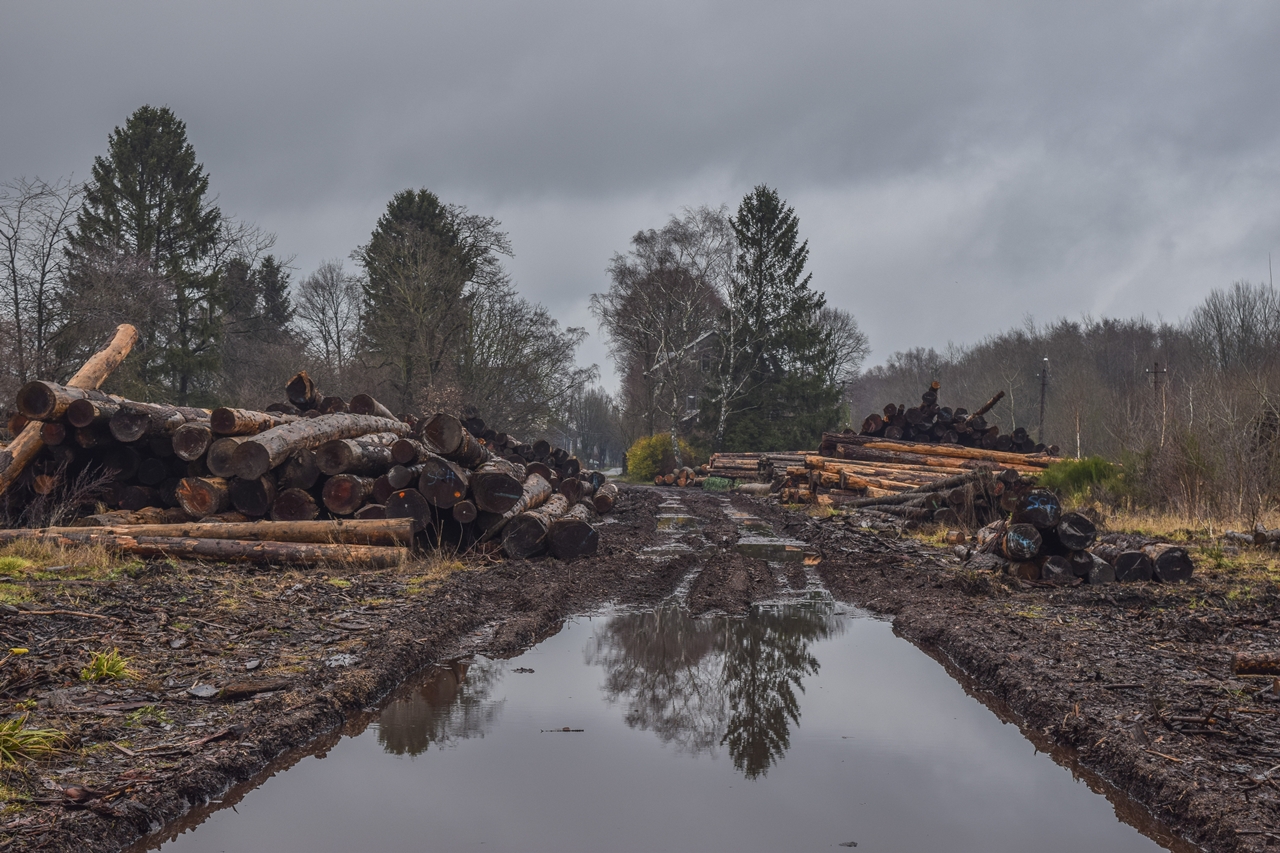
1052,158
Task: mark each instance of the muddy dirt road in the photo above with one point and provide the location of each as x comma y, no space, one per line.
234,667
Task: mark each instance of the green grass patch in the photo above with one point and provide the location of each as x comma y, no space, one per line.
104,666
17,742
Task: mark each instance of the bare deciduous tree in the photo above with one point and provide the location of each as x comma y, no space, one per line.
328,317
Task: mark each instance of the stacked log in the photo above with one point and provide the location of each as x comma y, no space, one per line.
1037,541
306,465
930,423
752,467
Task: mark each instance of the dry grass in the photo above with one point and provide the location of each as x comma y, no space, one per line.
34,560
426,573
17,742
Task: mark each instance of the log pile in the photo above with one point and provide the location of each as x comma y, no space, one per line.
314,478
752,467
1039,542
929,423
864,471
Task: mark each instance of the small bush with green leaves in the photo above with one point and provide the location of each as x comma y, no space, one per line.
1077,478
107,665
652,455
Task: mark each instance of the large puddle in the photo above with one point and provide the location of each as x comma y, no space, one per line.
801,727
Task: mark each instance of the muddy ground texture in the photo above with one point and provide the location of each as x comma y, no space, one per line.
233,667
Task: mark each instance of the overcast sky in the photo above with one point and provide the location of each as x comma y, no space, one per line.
955,166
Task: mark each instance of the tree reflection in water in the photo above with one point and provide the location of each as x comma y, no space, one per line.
453,703
720,681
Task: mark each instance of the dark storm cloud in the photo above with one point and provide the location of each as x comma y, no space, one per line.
955,166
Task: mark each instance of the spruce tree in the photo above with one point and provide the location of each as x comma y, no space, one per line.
791,395
145,205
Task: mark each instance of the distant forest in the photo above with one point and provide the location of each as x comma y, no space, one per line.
1192,409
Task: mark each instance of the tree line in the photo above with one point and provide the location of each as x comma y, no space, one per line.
426,319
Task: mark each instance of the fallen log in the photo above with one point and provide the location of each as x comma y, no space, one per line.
410,504
368,454
403,476
237,550
201,496
464,512
149,516
227,421
86,413
456,444
26,444
47,401
134,420
363,404
497,485
299,471
535,491
1076,532
191,441
1169,563
1256,663
220,459
345,493
1020,542
946,451
1040,508
302,392
407,451
572,535
524,535
389,532
253,497
294,505
258,454
605,497
442,482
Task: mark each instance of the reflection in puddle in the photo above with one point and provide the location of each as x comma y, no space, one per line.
678,522
704,684
773,549
795,728
451,703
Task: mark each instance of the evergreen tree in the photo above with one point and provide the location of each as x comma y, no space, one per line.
780,347
145,205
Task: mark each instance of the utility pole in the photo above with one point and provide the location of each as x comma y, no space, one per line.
1158,385
1044,387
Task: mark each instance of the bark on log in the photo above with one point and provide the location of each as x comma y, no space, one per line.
24,447
1170,563
442,482
1256,663
345,493
227,421
456,444
294,505
258,454
149,516
368,455
239,550
571,535
201,496
497,486
410,504
363,404
134,420
302,392
524,535
577,490
253,497
605,498
86,413
221,456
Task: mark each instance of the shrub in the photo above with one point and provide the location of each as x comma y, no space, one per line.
107,665
1077,478
652,455
19,742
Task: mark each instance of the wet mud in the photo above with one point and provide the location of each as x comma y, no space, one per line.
1133,682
